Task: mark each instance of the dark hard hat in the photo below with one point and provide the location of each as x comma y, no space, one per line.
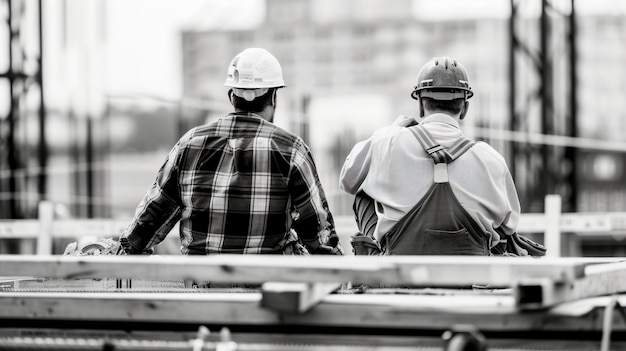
442,78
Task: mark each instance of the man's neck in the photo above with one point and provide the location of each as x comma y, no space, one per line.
455,116
442,118
267,113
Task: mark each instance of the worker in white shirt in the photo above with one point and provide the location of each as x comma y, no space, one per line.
393,169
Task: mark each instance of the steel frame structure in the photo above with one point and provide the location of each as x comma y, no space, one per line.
547,98
24,77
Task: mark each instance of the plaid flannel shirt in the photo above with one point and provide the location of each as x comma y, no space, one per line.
237,186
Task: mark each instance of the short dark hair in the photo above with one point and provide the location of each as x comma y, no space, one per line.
256,105
452,106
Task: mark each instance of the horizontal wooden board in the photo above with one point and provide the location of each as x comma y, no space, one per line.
599,280
295,297
394,270
489,313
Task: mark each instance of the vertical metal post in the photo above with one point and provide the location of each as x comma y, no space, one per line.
180,119
304,120
571,152
12,158
107,209
89,171
546,101
76,162
42,149
512,85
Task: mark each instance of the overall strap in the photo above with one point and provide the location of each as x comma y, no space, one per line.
459,147
430,145
438,153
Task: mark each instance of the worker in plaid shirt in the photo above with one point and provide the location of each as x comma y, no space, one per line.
240,185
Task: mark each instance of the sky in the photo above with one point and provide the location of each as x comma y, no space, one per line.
144,42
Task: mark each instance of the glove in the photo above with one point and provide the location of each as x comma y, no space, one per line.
363,245
126,248
332,247
522,246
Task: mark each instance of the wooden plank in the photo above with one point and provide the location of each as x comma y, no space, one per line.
294,297
599,280
62,228
582,223
552,237
402,270
137,307
496,313
19,229
76,228
89,227
46,218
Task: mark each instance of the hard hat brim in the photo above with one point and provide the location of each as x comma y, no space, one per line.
442,93
254,86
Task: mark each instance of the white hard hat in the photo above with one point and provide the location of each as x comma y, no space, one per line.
254,68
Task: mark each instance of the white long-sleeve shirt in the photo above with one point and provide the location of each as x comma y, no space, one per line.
393,168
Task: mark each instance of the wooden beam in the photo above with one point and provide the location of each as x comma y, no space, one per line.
599,280
46,218
19,229
581,223
389,270
62,228
425,312
552,236
294,297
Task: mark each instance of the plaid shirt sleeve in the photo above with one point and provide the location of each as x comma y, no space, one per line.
312,218
159,210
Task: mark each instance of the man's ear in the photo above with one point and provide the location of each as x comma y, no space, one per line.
274,97
465,108
230,96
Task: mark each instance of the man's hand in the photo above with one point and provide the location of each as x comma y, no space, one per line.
328,250
332,247
128,249
405,121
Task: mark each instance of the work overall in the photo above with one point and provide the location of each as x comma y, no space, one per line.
438,224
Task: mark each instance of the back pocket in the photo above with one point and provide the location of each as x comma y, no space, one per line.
446,242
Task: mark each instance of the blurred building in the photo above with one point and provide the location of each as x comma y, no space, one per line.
602,111
332,49
350,66
329,48
339,49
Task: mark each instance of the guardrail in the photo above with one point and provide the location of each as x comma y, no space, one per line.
552,224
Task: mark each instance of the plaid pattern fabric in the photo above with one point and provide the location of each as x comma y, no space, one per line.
237,186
